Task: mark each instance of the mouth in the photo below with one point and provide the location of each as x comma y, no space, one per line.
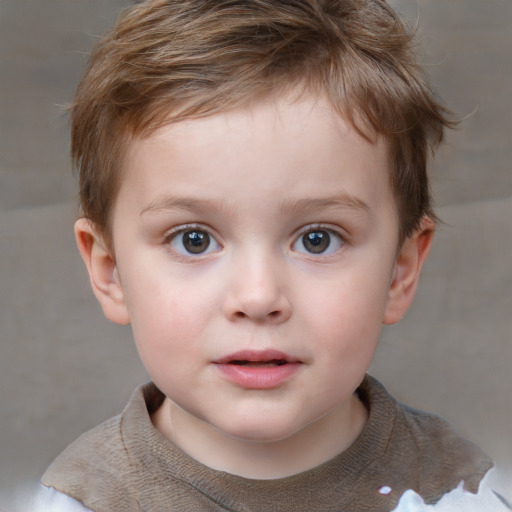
260,364
258,369
258,359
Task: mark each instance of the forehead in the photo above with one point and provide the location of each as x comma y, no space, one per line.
297,146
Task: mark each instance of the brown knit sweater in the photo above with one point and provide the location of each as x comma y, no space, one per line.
126,465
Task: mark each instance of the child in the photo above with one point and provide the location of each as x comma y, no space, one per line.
255,204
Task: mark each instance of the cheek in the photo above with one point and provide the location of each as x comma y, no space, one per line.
167,324
347,315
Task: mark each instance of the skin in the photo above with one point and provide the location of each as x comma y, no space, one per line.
256,181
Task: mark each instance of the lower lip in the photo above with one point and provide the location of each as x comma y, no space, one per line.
258,377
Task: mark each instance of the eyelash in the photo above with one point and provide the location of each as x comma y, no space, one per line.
331,232
174,234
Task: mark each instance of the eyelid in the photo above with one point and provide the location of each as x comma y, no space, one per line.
321,226
173,233
336,230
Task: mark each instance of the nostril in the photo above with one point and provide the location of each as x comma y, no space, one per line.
273,310
272,314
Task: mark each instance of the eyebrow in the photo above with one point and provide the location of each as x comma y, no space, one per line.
309,205
338,202
186,204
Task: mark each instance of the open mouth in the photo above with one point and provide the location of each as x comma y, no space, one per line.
259,364
263,369
258,358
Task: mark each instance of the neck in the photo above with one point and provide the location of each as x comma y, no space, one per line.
313,445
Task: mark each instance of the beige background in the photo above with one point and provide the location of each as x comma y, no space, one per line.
63,368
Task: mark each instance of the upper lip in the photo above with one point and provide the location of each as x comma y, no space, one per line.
257,356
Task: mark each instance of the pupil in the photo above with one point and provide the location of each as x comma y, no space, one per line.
196,242
316,242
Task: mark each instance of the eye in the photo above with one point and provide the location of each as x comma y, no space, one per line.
193,241
318,241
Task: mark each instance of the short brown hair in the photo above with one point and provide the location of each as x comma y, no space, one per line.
167,60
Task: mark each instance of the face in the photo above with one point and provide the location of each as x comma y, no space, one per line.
255,251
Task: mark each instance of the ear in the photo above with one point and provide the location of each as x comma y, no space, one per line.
407,271
102,271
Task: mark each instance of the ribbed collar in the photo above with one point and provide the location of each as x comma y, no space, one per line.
149,449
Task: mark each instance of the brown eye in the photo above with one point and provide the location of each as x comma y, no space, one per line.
196,242
318,241
193,242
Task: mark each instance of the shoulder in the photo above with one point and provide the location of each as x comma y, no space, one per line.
96,461
423,449
101,465
100,448
443,449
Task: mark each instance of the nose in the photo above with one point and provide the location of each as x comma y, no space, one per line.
257,292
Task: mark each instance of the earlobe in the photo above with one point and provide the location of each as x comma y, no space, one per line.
408,265
102,271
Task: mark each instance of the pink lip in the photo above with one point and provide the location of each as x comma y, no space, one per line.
270,368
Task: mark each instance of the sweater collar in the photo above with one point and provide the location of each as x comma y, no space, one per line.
147,447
